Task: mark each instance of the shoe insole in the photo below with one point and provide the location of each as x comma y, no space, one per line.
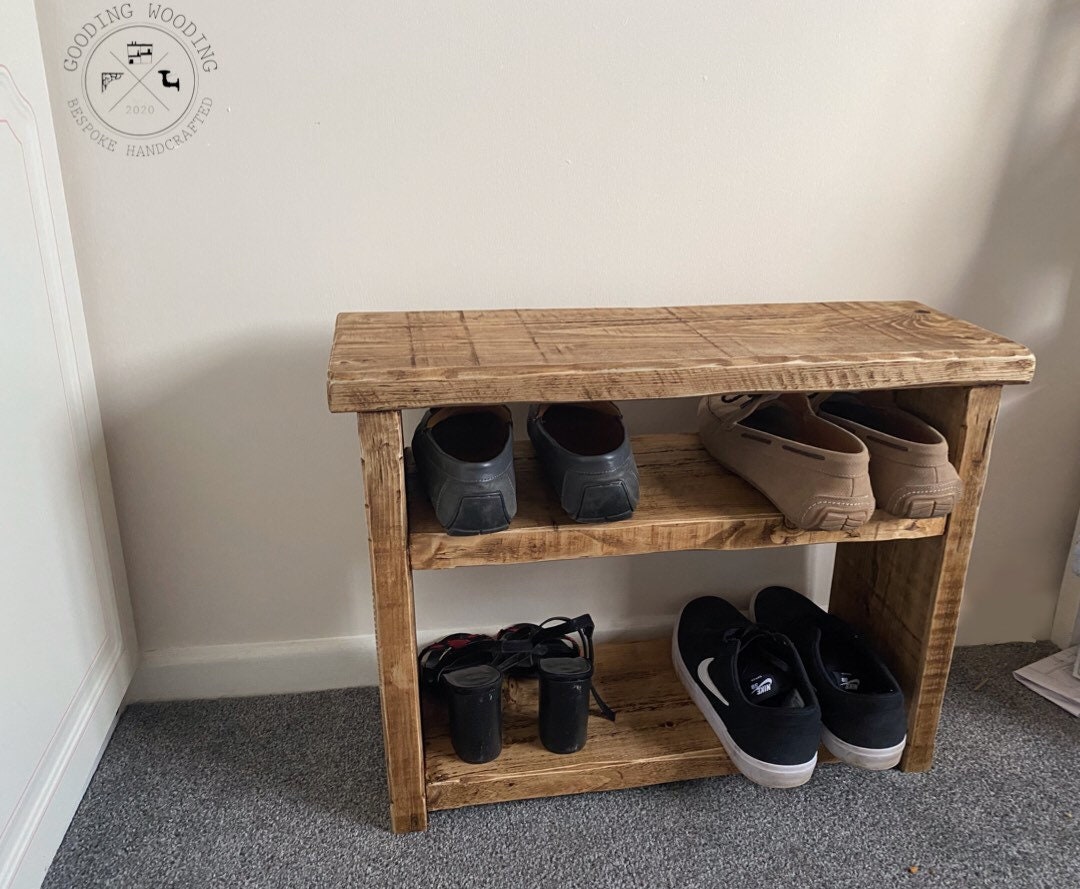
851,671
474,438
880,420
583,430
776,419
766,680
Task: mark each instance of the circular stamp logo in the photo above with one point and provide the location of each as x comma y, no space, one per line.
140,79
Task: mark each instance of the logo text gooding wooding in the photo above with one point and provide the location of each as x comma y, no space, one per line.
141,73
154,11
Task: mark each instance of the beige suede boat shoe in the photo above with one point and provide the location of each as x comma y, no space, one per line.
909,459
813,471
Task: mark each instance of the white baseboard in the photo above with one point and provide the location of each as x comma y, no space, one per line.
258,668
298,665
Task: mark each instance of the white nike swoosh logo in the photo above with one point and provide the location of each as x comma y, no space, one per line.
706,680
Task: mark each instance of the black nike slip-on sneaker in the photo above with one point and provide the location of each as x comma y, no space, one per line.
585,453
465,457
752,689
864,721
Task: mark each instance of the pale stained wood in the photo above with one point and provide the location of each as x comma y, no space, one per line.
906,594
394,360
688,502
395,626
659,736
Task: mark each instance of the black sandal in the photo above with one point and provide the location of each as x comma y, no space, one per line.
453,652
468,669
555,641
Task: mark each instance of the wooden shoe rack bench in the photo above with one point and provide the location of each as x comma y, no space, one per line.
899,580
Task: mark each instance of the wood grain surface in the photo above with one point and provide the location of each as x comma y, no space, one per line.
902,586
688,501
905,594
394,360
395,625
659,736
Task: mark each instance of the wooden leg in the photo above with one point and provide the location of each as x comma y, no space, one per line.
395,623
905,594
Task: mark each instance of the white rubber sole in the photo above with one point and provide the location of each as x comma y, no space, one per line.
874,759
767,774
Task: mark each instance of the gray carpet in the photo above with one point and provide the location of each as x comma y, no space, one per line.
288,791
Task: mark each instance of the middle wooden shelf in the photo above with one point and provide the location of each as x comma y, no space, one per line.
688,502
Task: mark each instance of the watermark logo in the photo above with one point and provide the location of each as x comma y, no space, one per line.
142,76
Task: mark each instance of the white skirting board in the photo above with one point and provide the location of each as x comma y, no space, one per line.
258,668
299,665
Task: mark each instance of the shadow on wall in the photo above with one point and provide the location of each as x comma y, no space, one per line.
240,499
255,529
1022,281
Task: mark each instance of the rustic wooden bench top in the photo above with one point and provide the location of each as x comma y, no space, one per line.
395,360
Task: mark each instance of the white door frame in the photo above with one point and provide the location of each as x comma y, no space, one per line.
30,835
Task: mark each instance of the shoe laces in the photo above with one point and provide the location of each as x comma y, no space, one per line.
754,632
745,634
733,398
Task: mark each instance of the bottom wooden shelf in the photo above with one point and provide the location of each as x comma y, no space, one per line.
659,736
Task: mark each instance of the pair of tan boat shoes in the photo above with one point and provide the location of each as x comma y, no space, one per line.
825,462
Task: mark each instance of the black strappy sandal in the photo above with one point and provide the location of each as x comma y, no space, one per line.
555,640
468,669
452,653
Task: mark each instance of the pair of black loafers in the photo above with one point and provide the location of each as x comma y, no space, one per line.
465,457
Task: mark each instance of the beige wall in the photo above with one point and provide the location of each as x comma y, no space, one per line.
409,155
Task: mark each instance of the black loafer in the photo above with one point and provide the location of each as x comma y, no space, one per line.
585,453
465,457
864,722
